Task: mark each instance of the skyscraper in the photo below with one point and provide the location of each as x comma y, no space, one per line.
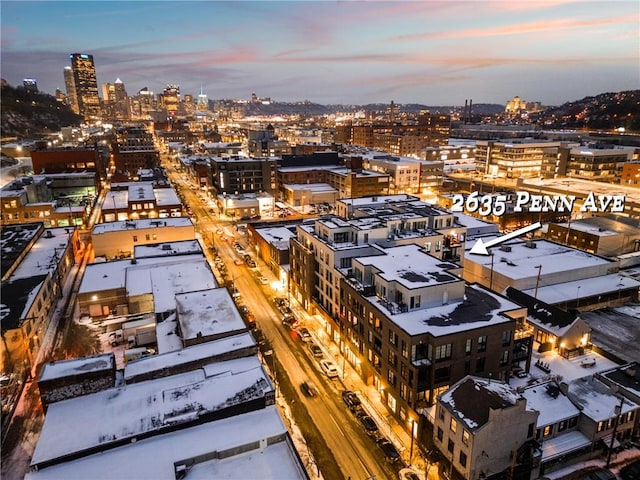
70,87
203,101
86,85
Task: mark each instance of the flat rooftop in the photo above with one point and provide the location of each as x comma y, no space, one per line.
155,457
551,404
409,266
77,366
522,261
481,308
589,287
14,239
313,187
207,312
277,236
44,255
167,249
101,228
115,414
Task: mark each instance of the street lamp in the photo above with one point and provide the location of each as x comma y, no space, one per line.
617,410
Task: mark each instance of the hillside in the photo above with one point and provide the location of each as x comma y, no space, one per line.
27,114
606,111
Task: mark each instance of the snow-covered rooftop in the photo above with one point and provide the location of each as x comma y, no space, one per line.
152,406
166,249
588,287
141,192
550,403
77,366
164,281
208,313
155,457
101,228
563,444
118,199
276,236
110,275
207,350
314,187
597,400
472,398
481,308
523,262
166,197
43,257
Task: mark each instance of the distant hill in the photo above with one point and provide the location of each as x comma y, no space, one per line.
606,111
26,113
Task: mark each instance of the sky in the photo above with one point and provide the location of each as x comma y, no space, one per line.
428,52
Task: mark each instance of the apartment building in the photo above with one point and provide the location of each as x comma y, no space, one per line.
239,174
133,148
139,200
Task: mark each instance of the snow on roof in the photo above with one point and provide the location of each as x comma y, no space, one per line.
43,257
582,188
275,461
473,223
156,457
126,412
77,366
167,335
588,287
101,228
597,400
563,444
166,280
481,308
118,199
140,192
522,261
587,228
550,403
277,236
472,398
409,266
208,312
314,187
166,249
205,350
166,197
110,275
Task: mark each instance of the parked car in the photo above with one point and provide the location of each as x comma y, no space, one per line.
309,388
251,264
390,452
304,333
369,424
238,262
351,399
631,471
316,351
408,474
329,368
281,301
285,310
263,280
290,321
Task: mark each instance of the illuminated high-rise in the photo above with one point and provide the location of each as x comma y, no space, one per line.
86,85
70,87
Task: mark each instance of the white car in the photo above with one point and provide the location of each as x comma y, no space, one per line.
263,280
329,368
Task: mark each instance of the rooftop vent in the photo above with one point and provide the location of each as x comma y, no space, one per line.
166,246
505,248
530,244
48,234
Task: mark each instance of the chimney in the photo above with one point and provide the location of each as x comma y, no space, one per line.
464,114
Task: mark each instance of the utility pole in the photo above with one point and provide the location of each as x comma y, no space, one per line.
618,411
535,294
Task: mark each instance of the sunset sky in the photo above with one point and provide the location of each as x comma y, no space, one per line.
434,53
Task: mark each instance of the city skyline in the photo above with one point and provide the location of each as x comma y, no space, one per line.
435,53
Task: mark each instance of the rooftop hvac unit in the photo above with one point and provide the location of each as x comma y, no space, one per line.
530,244
505,248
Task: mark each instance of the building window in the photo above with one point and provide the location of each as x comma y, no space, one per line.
562,426
504,360
480,365
482,343
629,416
147,237
450,446
440,434
441,413
600,426
465,437
467,346
427,246
404,349
414,302
530,431
548,430
453,425
393,338
135,238
573,421
443,352
463,459
506,338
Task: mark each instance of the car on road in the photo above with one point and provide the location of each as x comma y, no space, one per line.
369,424
329,368
408,474
220,231
309,388
290,321
304,333
238,262
631,471
316,351
286,310
263,280
251,263
390,452
351,399
281,301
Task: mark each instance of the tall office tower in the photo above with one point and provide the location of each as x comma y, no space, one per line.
203,101
30,85
171,99
115,101
86,85
70,87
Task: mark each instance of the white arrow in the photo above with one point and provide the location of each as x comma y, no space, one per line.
480,248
